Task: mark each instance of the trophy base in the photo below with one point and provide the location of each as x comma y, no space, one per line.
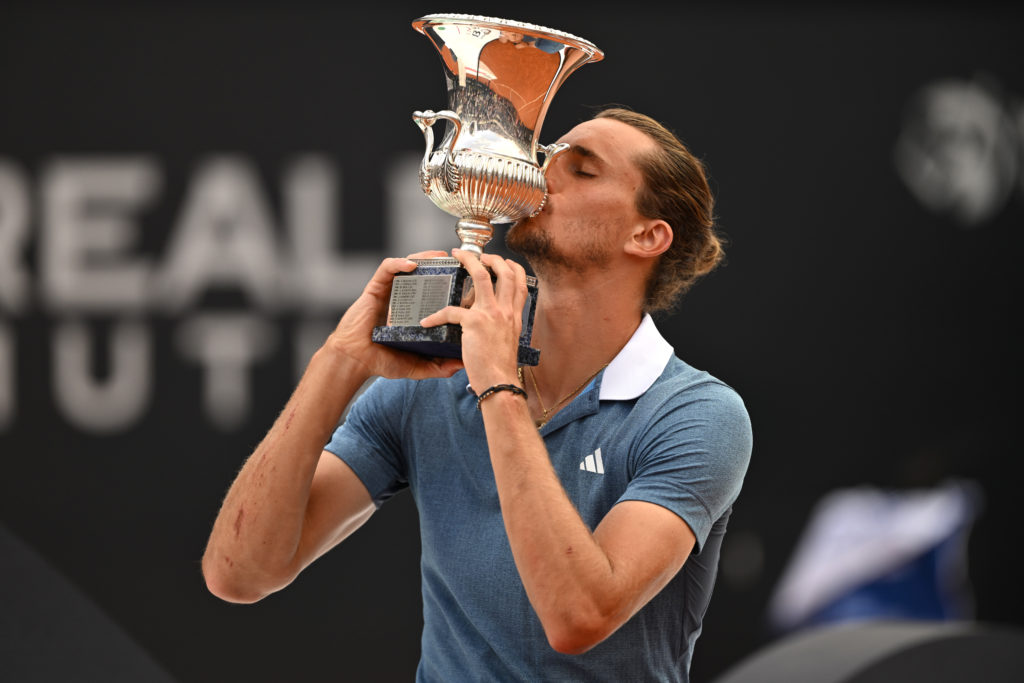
444,341
435,284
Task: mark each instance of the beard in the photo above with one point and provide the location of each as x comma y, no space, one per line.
531,242
534,243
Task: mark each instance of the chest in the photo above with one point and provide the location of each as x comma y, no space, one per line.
452,480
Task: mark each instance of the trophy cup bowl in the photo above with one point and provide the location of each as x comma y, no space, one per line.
501,77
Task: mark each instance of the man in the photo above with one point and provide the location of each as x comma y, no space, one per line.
571,514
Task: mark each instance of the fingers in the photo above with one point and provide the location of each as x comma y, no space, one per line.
521,294
380,284
481,278
508,291
510,288
389,267
509,277
433,253
448,315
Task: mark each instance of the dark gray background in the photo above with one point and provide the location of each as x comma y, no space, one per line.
870,338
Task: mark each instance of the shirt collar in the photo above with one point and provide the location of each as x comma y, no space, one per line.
637,365
640,362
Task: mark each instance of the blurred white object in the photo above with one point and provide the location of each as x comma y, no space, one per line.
957,151
862,535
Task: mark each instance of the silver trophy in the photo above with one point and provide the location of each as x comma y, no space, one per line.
501,77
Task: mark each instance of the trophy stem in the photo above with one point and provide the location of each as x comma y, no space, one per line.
475,234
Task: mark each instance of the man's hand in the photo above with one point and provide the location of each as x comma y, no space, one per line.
492,325
352,336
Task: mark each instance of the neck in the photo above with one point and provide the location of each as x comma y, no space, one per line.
582,322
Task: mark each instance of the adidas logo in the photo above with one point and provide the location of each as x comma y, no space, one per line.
593,463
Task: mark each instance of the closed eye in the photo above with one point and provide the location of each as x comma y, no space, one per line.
580,172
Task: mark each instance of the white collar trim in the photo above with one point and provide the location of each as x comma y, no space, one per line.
640,362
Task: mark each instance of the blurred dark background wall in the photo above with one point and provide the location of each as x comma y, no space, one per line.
192,193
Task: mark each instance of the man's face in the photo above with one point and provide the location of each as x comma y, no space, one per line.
591,206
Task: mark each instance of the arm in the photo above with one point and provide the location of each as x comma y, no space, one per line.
292,502
583,585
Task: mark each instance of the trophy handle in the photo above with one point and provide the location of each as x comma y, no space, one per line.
426,120
550,152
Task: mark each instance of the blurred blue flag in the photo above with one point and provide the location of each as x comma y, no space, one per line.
867,553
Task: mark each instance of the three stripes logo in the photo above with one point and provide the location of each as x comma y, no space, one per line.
593,463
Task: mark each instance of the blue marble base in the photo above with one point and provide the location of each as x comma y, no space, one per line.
445,341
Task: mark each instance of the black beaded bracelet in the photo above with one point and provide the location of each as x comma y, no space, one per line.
499,387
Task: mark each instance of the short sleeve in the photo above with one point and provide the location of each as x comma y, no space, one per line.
693,455
369,440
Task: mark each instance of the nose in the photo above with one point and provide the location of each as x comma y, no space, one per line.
552,181
555,174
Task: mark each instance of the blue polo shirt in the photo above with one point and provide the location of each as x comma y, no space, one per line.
649,427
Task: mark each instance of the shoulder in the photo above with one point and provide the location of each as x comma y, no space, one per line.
681,384
389,391
395,399
385,408
692,442
696,407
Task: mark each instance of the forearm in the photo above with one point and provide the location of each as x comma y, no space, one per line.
254,546
567,574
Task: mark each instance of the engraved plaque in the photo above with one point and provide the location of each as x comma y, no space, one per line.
414,298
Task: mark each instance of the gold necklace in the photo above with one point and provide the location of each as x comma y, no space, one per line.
545,411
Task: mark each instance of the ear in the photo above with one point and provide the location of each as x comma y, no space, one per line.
649,238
